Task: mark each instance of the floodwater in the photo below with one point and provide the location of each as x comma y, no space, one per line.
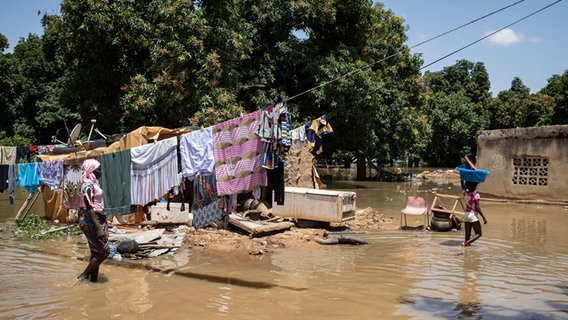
517,270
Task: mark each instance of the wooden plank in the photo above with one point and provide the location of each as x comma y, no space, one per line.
59,229
445,211
258,228
471,165
28,204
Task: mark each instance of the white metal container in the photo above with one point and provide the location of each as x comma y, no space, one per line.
161,214
317,205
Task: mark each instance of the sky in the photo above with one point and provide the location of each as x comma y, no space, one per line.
533,49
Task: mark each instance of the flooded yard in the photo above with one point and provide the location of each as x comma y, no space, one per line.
517,270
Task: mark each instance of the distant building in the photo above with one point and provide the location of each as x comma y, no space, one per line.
525,163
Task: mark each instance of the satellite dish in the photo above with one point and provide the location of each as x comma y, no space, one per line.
74,134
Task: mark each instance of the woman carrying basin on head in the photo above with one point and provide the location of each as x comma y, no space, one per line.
472,209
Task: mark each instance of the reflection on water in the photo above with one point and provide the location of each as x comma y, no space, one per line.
517,270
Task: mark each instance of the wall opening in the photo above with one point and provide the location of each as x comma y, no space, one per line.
532,171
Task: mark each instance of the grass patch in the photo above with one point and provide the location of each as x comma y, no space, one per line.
36,228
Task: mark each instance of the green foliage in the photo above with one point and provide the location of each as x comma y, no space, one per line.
15,140
557,88
516,107
26,79
459,105
377,109
454,124
3,43
175,63
35,228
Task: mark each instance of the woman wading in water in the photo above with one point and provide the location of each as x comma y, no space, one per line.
93,220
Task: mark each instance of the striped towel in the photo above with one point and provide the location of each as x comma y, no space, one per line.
238,155
154,170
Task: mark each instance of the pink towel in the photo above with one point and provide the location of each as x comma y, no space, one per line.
238,155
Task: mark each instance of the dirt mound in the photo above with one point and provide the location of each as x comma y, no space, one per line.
236,241
439,175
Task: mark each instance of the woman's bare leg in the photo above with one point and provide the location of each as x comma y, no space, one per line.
477,235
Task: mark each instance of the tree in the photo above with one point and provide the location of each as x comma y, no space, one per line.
454,124
516,107
464,75
464,88
557,88
32,75
377,107
7,83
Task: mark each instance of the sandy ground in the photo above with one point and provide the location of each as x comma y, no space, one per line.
237,241
234,240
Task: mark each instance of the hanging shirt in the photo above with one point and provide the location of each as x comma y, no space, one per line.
21,152
28,176
4,176
72,182
274,131
196,152
299,137
11,183
315,130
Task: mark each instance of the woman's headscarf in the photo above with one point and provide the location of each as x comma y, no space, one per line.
88,167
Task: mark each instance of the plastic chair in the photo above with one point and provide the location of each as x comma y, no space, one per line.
415,206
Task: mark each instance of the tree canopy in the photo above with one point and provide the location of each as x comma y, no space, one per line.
178,63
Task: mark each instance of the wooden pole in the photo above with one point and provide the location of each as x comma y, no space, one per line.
471,165
26,207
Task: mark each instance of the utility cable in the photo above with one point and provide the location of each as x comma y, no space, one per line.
489,35
466,24
348,74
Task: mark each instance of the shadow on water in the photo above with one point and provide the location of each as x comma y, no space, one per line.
174,271
475,310
451,243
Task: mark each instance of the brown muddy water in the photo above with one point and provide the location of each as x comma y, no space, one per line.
517,270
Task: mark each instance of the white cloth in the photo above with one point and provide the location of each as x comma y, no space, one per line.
154,170
196,151
299,137
470,216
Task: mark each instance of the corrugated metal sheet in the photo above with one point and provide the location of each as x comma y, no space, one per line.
317,205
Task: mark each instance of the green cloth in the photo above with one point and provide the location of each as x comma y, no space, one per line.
115,182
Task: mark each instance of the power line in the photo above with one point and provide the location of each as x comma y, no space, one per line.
466,24
489,35
426,41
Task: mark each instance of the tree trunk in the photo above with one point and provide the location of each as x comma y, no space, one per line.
361,166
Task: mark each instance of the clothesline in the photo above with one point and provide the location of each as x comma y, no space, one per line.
234,151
